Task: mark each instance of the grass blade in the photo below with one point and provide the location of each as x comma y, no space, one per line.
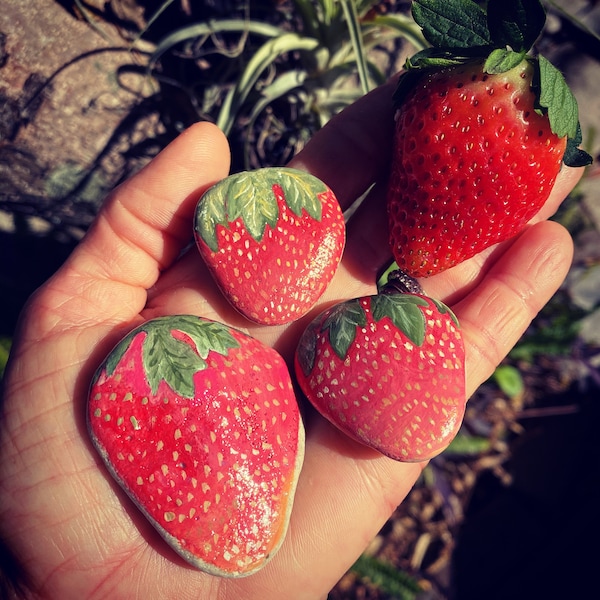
355,31
263,57
210,28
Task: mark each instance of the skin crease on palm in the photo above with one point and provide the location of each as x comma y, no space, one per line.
74,533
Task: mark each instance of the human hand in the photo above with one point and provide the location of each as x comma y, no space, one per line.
67,527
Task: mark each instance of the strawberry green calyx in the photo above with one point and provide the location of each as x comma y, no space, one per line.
398,282
343,320
249,196
461,31
167,357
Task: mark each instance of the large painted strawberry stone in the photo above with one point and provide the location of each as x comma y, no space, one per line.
272,239
199,424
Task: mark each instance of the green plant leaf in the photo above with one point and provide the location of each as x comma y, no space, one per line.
386,578
404,27
5,345
342,323
382,277
509,380
356,38
282,85
307,11
575,156
438,58
557,98
404,312
150,20
515,23
263,57
468,445
452,23
198,30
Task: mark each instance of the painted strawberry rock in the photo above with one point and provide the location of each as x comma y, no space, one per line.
388,370
199,425
272,239
481,132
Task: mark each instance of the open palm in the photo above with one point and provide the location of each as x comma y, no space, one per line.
67,527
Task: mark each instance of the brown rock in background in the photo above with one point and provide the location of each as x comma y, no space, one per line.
72,98
64,91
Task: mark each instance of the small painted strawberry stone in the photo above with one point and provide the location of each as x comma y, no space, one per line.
272,239
199,424
388,370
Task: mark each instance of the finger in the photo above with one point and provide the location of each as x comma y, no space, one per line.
144,224
139,231
497,311
353,150
455,283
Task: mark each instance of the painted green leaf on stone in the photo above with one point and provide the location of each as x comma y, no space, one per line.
211,212
250,196
174,361
117,353
306,351
166,358
404,312
444,309
171,360
301,191
342,323
208,336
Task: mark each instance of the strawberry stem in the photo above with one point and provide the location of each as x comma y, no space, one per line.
400,283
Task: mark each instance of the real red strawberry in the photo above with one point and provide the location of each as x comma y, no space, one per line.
272,239
388,370
481,132
199,424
